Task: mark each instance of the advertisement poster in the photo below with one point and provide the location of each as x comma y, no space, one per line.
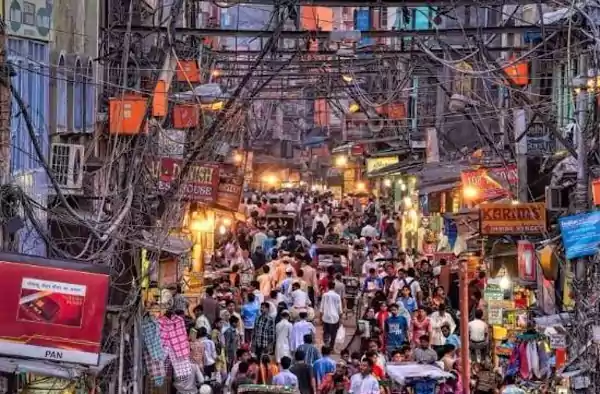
230,187
580,234
52,310
200,183
527,261
377,163
491,183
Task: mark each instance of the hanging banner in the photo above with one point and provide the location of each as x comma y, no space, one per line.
527,261
491,183
230,187
52,309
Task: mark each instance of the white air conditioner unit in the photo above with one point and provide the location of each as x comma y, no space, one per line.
554,200
66,163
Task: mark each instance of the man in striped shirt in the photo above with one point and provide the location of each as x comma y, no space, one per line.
311,353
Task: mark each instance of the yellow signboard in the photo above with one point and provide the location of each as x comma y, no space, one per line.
377,163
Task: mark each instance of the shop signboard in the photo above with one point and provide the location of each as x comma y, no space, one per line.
580,234
558,341
517,219
491,183
230,187
52,309
377,163
495,315
493,293
200,184
527,259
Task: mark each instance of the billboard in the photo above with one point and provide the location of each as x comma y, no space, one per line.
52,309
517,219
491,183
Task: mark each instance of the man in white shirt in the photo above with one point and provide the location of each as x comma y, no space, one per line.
320,217
331,311
364,382
478,337
299,330
299,300
291,206
369,231
439,319
405,280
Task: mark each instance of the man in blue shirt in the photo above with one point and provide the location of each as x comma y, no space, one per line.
324,365
396,328
249,313
285,377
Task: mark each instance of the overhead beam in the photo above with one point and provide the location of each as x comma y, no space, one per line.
324,35
386,3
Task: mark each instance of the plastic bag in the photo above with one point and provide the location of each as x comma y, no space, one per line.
340,337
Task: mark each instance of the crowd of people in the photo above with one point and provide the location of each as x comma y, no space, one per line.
284,322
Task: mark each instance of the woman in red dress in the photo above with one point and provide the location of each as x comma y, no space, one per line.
419,325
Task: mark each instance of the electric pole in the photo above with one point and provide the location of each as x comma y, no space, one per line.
5,112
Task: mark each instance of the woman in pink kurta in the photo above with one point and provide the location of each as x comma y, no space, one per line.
419,325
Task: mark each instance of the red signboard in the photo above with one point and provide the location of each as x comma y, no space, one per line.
486,181
52,310
200,183
527,261
231,184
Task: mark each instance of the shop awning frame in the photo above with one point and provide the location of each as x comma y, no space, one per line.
53,369
158,241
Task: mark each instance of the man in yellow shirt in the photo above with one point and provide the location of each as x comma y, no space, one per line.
264,281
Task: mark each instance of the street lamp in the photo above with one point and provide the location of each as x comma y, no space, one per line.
470,192
341,161
387,183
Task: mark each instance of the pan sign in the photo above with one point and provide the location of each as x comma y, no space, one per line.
516,219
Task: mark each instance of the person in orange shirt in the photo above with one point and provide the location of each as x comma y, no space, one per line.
264,281
281,271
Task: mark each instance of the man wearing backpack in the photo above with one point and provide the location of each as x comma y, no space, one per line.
406,278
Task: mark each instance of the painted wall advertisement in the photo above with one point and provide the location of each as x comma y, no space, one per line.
52,310
580,234
30,19
230,187
200,184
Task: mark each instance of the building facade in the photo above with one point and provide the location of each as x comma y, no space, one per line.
29,27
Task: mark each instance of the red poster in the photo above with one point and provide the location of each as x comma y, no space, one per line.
491,182
200,183
527,261
51,309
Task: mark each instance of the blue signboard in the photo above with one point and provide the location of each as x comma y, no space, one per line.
362,22
581,234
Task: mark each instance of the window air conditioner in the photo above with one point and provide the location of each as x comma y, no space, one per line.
554,199
66,163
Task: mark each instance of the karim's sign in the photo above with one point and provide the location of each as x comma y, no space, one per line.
515,219
52,309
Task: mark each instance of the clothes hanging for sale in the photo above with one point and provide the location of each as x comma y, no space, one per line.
153,353
174,338
530,358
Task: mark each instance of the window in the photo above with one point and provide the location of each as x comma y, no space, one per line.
29,14
61,95
90,99
78,96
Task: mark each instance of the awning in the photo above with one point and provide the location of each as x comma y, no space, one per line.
395,169
53,369
435,188
167,243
